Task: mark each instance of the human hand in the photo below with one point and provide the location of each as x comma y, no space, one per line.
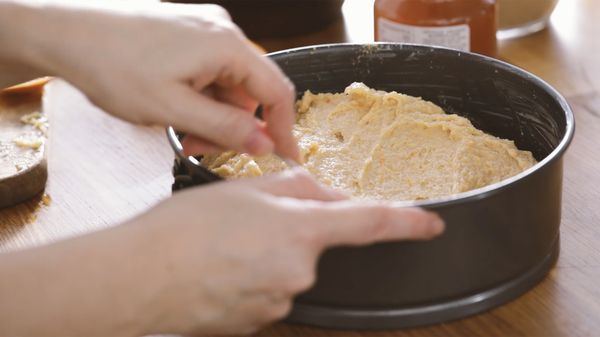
231,256
169,64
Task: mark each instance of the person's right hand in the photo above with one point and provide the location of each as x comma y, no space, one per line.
165,64
232,256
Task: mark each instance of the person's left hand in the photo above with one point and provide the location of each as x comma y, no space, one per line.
230,257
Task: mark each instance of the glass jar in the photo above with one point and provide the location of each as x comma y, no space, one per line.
468,25
523,17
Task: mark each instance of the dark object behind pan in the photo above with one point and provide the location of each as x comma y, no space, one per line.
500,240
279,18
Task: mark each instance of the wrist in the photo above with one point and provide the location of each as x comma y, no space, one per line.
152,285
174,298
138,259
91,285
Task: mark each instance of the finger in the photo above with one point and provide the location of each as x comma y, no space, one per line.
228,93
222,124
270,306
184,10
266,83
214,10
353,223
237,96
262,308
294,183
194,146
278,127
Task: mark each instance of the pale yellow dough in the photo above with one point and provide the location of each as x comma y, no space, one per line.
385,145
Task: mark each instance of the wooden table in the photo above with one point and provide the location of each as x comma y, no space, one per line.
103,171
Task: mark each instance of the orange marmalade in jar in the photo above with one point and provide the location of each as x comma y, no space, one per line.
468,25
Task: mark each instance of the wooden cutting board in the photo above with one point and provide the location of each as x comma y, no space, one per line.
23,134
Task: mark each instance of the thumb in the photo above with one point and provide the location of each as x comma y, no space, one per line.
294,183
352,223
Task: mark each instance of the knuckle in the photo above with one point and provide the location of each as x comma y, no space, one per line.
275,305
305,282
300,282
380,223
306,236
229,32
281,310
296,180
241,124
223,32
134,112
149,116
219,11
248,329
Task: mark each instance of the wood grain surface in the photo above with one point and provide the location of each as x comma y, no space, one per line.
102,171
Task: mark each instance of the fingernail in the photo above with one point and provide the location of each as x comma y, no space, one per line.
259,144
296,154
292,152
436,226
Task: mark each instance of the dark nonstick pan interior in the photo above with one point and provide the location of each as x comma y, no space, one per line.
500,240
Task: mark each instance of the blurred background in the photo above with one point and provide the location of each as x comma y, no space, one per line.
569,30
325,21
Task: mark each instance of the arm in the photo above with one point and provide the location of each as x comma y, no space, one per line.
166,271
158,64
95,285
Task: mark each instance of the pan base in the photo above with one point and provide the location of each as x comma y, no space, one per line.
348,318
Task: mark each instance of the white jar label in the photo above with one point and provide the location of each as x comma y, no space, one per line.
457,37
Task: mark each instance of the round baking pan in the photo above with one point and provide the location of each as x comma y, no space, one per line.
500,240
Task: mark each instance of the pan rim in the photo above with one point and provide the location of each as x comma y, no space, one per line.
482,192
488,190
